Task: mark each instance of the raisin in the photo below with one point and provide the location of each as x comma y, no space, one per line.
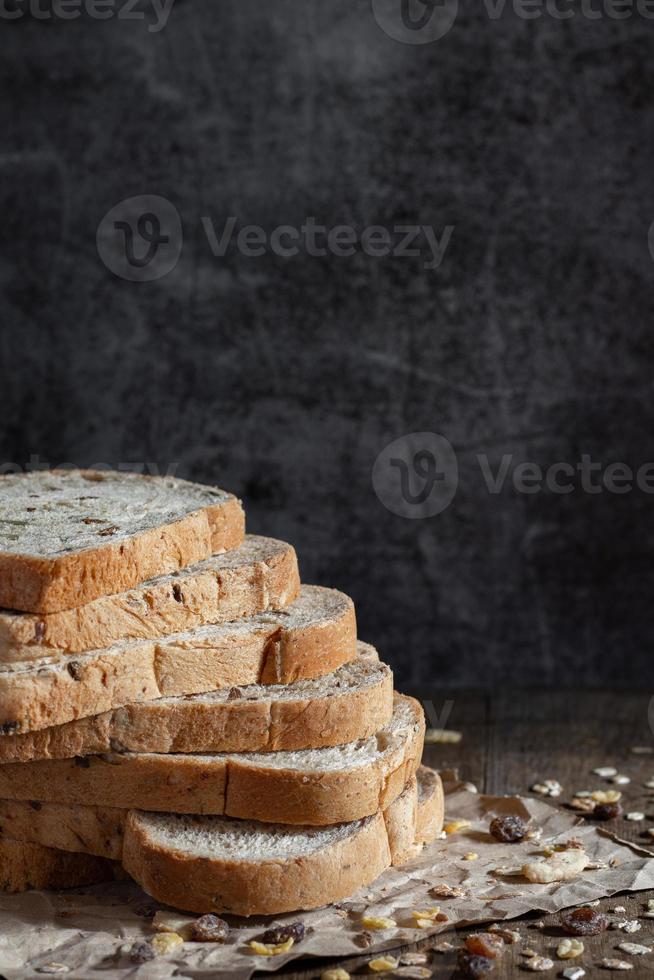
210,929
9,727
178,595
234,694
39,630
508,830
584,922
474,966
35,805
280,934
485,944
75,670
606,811
82,761
107,531
141,952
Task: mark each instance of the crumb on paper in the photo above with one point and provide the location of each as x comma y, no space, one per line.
383,964
609,963
605,772
560,866
336,974
443,946
510,936
378,922
620,780
442,736
271,949
172,922
454,826
573,973
635,815
447,891
470,856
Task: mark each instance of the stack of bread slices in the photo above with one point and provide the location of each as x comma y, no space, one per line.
174,701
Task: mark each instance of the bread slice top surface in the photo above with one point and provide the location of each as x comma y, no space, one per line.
47,514
227,839
315,606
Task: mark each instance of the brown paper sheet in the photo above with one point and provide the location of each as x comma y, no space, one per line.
90,932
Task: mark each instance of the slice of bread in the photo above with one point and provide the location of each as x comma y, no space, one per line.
309,786
213,864
258,576
411,819
24,867
351,703
69,536
313,636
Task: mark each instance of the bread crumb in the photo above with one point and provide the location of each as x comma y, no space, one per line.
270,949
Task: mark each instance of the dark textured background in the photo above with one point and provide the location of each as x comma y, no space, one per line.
282,380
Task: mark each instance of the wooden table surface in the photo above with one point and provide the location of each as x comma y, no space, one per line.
511,740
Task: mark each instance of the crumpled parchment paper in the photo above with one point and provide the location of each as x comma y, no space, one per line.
90,931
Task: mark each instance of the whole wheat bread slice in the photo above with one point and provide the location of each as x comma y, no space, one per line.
100,830
213,864
258,576
310,786
24,867
69,536
313,636
351,703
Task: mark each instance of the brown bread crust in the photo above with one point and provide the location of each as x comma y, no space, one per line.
260,575
48,585
257,888
268,649
24,867
239,724
226,785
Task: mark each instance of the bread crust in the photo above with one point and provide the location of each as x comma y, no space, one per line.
410,823
229,785
260,575
48,585
24,867
257,887
242,724
271,648
79,829
430,812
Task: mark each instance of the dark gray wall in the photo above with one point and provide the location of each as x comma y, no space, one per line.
283,379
